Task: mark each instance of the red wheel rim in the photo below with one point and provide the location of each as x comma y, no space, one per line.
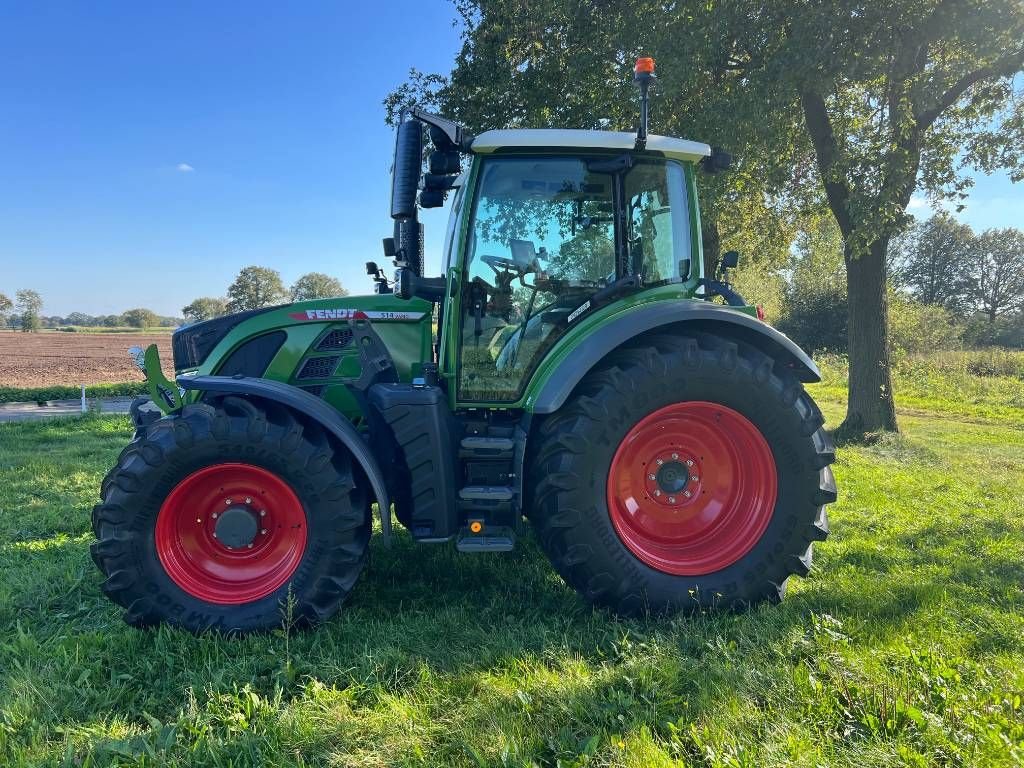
238,500
692,488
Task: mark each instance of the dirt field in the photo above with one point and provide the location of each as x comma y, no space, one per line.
49,358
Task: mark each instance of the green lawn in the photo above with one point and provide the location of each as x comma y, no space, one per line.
904,647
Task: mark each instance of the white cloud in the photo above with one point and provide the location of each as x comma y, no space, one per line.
184,167
918,202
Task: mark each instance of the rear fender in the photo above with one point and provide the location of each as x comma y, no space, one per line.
666,315
315,409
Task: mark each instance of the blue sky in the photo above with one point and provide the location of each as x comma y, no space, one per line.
149,151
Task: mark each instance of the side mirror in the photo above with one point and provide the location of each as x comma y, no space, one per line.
718,160
372,269
389,248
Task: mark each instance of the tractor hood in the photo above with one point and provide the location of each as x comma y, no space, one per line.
192,344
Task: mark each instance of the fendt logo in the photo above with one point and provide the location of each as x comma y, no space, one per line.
353,314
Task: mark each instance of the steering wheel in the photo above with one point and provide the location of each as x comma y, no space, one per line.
498,263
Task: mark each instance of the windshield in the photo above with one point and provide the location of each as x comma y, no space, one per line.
542,243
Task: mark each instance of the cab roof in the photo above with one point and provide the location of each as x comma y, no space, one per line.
558,138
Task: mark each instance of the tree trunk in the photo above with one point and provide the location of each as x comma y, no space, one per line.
870,407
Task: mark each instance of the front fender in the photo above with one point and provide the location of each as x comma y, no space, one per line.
699,315
312,407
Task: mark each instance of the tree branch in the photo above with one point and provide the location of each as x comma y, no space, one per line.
823,138
1002,67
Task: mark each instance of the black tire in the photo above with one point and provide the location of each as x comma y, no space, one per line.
334,504
569,471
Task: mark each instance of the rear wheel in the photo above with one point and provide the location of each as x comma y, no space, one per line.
688,473
223,517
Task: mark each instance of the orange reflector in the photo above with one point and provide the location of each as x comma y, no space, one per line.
644,64
476,526
760,313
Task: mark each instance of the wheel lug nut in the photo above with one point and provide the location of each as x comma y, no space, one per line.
695,478
671,499
248,500
250,546
199,519
228,502
675,456
660,462
214,515
689,462
657,493
263,531
263,512
651,477
687,494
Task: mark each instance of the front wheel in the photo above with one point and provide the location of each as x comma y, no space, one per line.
688,473
233,517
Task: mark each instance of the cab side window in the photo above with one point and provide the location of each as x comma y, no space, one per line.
659,231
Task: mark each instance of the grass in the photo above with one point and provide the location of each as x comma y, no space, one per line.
904,647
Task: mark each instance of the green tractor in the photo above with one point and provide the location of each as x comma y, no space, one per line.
584,373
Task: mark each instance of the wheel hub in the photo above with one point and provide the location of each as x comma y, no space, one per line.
231,533
237,527
691,488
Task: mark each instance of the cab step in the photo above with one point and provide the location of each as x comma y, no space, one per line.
487,448
497,539
489,493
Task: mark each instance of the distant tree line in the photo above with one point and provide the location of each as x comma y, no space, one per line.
253,288
25,313
948,286
258,287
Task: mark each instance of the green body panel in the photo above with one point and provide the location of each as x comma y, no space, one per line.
407,337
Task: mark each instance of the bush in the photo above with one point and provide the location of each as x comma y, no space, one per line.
59,392
915,327
815,317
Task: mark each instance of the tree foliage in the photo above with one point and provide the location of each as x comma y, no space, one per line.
317,285
999,272
30,304
935,262
568,64
205,308
255,288
140,318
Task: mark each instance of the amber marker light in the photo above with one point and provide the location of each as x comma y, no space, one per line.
645,64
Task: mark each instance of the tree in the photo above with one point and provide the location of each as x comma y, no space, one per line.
936,262
204,308
140,318
255,288
316,285
999,272
29,305
5,307
894,96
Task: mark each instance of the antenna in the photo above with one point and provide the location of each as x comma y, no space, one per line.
643,75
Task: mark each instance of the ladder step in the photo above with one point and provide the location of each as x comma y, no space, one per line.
499,539
487,447
486,493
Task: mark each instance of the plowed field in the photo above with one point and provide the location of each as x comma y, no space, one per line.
49,358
